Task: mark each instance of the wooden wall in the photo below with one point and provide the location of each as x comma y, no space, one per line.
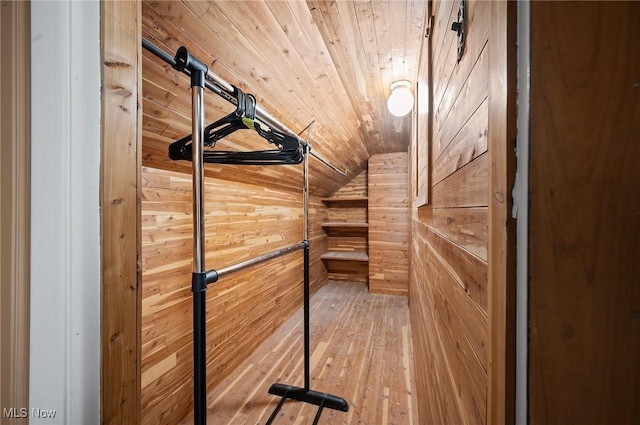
584,279
388,224
242,221
450,292
357,187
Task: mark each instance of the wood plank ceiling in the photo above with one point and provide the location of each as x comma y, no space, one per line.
326,63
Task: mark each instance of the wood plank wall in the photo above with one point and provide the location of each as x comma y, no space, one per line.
584,279
356,187
449,258
388,224
242,221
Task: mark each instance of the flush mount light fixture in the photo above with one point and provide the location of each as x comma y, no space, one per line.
400,100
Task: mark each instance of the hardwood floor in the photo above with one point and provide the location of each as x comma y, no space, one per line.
360,350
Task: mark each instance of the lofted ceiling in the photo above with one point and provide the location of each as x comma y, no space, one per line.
322,65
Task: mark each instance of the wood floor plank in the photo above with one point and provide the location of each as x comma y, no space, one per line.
360,350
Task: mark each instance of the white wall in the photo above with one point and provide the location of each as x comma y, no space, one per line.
65,218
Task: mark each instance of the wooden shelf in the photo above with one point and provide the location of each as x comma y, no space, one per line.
345,256
359,200
346,225
347,229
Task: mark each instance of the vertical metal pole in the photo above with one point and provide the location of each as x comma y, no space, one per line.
307,342
306,193
198,180
199,293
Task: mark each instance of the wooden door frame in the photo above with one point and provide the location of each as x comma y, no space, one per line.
119,198
120,56
15,158
501,225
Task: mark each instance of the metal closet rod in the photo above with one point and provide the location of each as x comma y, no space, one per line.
259,259
213,275
222,88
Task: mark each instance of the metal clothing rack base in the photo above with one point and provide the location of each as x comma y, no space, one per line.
306,394
247,112
321,400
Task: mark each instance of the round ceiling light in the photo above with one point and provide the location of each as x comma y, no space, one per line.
400,101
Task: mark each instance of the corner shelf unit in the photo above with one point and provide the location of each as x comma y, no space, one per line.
347,227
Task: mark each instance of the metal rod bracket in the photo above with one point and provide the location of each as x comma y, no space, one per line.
212,276
198,282
185,60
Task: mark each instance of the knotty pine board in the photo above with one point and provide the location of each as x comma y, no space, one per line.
347,240
357,187
468,187
348,271
466,269
120,213
388,224
241,222
466,227
467,145
448,120
347,212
